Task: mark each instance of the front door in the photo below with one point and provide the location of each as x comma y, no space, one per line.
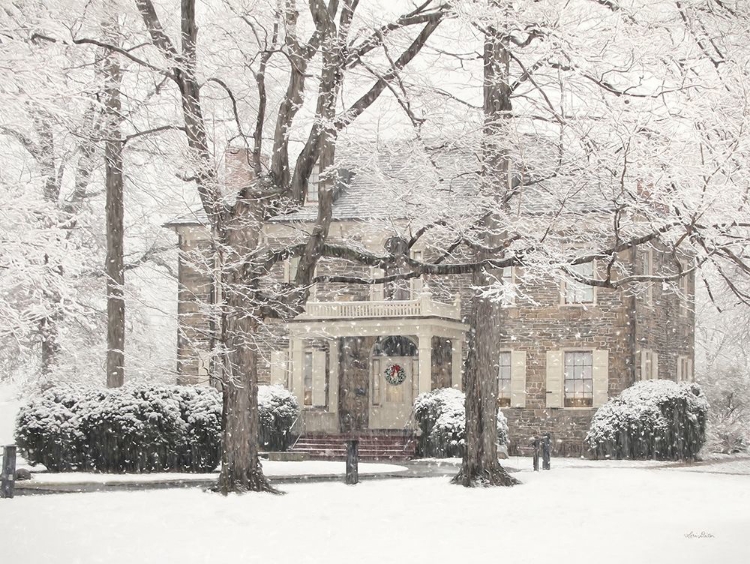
392,381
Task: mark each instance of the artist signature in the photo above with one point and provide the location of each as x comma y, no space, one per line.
701,535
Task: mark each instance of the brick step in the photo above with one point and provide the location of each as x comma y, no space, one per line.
338,444
396,449
361,451
362,442
362,457
372,447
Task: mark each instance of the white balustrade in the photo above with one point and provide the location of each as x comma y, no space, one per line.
424,306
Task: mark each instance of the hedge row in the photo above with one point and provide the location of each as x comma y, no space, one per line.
139,428
657,419
441,417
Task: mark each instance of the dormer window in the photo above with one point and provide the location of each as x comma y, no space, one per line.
312,185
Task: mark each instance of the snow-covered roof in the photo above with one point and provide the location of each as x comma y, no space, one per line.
393,185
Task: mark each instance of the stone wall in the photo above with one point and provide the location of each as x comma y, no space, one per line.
620,322
194,295
537,323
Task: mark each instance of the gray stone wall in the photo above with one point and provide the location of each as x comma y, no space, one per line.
538,323
620,322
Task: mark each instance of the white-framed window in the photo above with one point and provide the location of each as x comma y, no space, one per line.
647,269
684,297
290,269
307,378
575,292
508,279
684,369
416,283
312,185
578,379
649,365
504,379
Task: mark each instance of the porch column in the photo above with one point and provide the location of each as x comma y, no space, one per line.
457,363
333,376
298,364
425,363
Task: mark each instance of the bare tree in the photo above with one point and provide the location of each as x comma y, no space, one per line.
115,213
235,223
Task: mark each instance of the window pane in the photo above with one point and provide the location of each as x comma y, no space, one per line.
579,384
308,377
504,379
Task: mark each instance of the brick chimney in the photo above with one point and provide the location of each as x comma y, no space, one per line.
239,169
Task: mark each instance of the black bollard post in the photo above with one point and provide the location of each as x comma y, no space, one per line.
545,452
8,475
352,461
535,442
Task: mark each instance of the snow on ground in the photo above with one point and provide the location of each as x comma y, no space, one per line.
739,465
271,468
581,515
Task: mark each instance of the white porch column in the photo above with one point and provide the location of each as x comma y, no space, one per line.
425,363
457,363
333,376
298,365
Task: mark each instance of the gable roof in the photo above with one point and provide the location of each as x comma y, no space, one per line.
397,184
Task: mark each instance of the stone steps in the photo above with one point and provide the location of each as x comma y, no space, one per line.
393,446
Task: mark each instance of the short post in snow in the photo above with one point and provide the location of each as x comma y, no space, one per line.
8,475
352,461
545,452
535,442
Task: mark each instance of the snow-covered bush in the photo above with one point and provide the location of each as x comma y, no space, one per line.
140,428
441,417
278,409
728,393
658,419
48,431
136,429
201,410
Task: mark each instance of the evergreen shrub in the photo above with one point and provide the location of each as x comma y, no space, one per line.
441,417
139,428
658,419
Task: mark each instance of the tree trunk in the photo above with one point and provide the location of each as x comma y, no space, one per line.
240,466
45,156
240,469
480,465
115,266
50,346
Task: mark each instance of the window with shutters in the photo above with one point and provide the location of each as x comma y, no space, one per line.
684,295
576,292
578,384
684,369
290,269
308,378
504,376
509,286
416,283
647,365
647,269
312,185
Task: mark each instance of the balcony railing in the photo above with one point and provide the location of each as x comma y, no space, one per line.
424,306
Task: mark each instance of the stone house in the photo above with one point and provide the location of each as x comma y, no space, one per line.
360,354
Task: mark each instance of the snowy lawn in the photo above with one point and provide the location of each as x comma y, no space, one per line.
612,515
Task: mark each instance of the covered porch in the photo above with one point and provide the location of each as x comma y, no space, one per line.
355,374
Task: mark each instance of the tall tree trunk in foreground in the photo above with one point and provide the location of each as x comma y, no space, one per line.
115,266
480,465
240,469
45,156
